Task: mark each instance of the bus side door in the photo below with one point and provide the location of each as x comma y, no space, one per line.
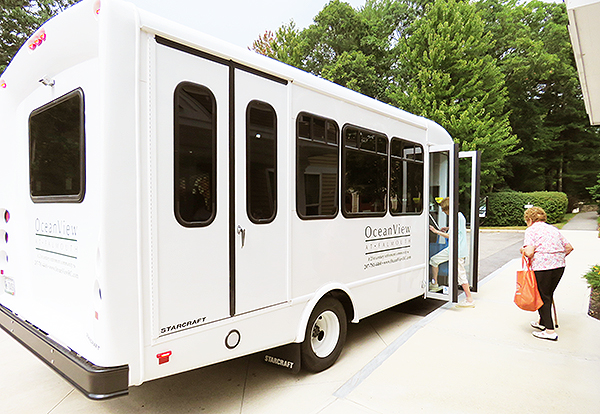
261,191
188,185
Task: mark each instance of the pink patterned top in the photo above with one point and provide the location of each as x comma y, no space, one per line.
549,246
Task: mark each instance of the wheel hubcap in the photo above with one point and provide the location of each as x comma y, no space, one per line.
325,334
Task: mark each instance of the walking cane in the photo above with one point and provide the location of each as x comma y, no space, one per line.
555,317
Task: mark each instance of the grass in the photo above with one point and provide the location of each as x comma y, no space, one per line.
565,220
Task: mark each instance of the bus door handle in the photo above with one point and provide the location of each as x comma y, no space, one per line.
242,231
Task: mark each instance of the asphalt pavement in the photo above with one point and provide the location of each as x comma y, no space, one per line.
496,248
416,358
583,221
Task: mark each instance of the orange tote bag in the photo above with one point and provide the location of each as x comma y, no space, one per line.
527,296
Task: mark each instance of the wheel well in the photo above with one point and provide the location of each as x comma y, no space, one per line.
346,302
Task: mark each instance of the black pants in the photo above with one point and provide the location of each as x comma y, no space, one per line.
547,281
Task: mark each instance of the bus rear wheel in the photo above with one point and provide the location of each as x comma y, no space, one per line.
325,335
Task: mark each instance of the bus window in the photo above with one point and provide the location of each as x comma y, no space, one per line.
195,154
261,162
57,150
316,167
365,167
406,177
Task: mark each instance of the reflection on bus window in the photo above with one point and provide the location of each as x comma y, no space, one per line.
261,165
406,177
365,164
195,153
57,150
317,167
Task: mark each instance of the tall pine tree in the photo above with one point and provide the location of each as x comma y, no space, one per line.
446,73
559,149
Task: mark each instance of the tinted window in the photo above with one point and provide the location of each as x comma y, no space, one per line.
316,167
406,177
57,150
365,165
195,153
261,164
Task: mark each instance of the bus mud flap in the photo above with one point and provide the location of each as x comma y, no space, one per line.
286,356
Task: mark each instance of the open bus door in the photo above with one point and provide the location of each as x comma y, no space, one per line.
445,165
468,198
442,184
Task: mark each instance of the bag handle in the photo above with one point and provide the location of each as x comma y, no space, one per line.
525,261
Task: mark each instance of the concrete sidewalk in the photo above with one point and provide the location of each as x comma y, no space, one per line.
485,360
583,221
479,360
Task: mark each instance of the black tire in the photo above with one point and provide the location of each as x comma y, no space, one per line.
325,335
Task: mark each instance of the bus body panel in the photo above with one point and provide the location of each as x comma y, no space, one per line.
52,247
130,276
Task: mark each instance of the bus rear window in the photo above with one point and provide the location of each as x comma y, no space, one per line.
57,150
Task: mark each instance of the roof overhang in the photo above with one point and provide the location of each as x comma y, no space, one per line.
584,29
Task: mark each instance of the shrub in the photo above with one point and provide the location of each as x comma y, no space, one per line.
593,277
503,209
595,191
554,204
507,208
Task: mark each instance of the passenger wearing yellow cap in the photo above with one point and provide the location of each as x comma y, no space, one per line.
444,255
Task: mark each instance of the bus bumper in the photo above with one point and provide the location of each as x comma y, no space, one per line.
96,383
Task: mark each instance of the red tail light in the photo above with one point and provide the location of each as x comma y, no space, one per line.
37,39
163,357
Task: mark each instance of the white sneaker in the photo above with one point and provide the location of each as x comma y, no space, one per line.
536,325
465,304
546,335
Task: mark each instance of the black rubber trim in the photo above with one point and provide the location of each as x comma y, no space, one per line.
232,218
95,382
227,62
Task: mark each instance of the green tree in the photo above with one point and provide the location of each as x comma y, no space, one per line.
572,159
499,75
449,76
355,71
338,28
286,45
560,151
19,19
353,48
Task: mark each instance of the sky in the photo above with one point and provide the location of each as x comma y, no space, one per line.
238,21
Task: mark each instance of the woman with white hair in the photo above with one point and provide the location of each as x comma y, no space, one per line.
547,248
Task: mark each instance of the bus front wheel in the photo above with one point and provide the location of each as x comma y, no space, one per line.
325,335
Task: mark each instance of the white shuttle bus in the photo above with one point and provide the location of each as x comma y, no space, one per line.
169,201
